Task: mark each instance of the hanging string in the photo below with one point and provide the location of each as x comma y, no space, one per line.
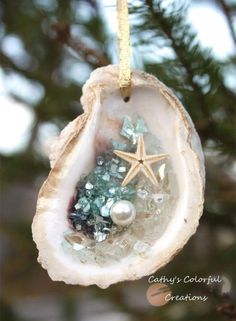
124,49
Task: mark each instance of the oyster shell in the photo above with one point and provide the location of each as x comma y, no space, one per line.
168,215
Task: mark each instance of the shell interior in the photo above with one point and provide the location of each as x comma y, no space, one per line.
88,178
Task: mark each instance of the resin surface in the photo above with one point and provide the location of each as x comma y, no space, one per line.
93,237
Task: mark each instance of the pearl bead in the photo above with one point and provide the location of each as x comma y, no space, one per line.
123,213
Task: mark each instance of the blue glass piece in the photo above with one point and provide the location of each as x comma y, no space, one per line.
77,206
141,127
89,193
95,210
88,185
105,211
78,217
84,204
118,175
113,168
106,177
99,201
98,170
122,169
127,191
127,129
115,160
83,217
118,145
99,236
112,190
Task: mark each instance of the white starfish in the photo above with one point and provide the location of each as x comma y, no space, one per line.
140,161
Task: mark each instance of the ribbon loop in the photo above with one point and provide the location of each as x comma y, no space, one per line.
124,49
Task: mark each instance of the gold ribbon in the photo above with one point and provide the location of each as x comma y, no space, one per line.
124,49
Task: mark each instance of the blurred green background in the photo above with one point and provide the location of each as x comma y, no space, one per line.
48,48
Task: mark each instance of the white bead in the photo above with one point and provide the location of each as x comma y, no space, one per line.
123,213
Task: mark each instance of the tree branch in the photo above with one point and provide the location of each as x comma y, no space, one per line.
91,56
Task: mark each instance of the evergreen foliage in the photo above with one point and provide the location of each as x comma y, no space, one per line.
62,42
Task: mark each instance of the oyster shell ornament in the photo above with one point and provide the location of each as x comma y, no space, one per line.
125,191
